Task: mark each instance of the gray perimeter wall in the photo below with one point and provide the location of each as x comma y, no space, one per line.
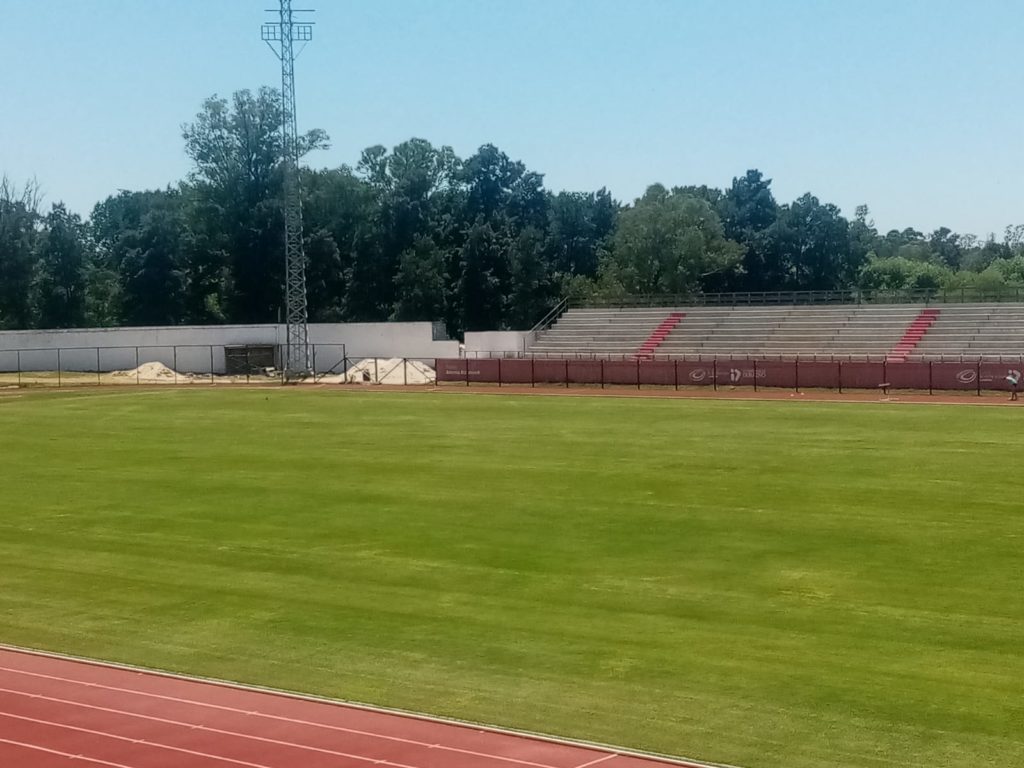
487,343
200,349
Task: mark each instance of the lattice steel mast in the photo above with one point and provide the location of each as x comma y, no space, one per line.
281,36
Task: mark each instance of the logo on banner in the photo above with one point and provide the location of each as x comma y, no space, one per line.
697,375
735,375
967,376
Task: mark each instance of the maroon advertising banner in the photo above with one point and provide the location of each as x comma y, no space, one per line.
549,371
816,375
805,374
777,374
908,375
995,375
585,371
620,372
450,370
483,371
516,371
962,376
862,375
658,373
695,374
739,373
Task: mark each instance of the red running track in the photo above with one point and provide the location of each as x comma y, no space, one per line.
63,713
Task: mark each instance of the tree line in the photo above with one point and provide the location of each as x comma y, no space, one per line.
418,233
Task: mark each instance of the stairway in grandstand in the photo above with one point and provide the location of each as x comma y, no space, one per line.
894,332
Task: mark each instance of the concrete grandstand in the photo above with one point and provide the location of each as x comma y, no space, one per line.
868,332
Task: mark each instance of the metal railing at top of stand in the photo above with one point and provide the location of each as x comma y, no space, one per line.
1011,293
812,357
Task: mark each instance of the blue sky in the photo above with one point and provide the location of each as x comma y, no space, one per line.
912,106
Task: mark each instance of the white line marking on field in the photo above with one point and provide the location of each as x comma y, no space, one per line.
68,755
209,729
143,742
279,718
278,693
598,760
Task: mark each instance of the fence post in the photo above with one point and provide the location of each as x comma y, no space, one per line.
840,364
211,364
930,363
58,368
714,373
638,373
174,361
247,363
567,373
978,377
99,379
465,357
19,369
405,371
796,375
755,375
533,375
675,375
885,373
602,372
376,372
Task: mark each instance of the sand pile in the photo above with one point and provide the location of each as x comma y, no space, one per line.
391,371
152,373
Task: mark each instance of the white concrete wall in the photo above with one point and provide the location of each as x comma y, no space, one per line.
188,348
486,343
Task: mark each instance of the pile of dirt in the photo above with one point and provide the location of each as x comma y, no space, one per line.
152,373
392,371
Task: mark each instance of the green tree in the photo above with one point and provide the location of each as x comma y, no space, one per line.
140,239
421,282
61,262
532,283
484,278
580,225
18,219
810,243
667,243
747,210
236,209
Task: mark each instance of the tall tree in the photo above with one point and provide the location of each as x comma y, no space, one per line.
60,285
140,238
18,218
421,282
236,201
581,224
810,242
667,243
748,209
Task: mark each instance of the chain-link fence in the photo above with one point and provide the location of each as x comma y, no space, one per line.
199,365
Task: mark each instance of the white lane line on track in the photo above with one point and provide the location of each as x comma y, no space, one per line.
595,762
353,706
68,755
219,731
142,742
279,718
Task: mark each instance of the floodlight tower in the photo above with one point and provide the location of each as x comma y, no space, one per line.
281,36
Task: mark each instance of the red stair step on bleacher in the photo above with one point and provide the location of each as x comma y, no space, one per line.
912,336
659,334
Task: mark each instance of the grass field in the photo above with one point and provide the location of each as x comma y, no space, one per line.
787,584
